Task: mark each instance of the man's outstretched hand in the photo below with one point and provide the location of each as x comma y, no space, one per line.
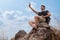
29,4
32,8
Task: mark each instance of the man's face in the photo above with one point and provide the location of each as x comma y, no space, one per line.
42,8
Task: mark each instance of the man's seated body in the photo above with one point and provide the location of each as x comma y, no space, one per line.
43,16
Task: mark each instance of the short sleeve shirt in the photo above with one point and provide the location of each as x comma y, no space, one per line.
44,13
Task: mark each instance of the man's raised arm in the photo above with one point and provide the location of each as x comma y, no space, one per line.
32,9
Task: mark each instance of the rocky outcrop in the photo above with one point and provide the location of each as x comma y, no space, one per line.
42,32
20,34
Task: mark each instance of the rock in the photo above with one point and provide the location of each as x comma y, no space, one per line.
42,32
20,34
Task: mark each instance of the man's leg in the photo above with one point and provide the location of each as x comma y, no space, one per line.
32,23
35,22
37,18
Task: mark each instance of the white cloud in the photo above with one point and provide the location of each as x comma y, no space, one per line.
9,22
15,24
9,12
5,13
20,12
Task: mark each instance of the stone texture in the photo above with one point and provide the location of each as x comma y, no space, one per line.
42,32
20,34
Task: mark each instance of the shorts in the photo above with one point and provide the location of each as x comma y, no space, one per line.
41,19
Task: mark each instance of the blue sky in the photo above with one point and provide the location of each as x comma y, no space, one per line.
15,14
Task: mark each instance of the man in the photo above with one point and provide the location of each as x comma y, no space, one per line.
44,13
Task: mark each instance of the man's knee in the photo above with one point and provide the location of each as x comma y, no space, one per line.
36,17
31,22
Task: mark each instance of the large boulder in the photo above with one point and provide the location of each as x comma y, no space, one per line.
20,34
42,32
